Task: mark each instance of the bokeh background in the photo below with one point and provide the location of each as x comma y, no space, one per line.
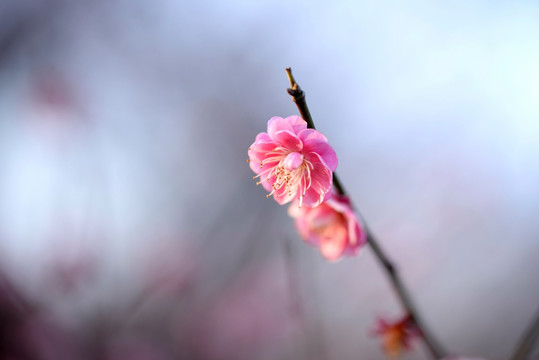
130,227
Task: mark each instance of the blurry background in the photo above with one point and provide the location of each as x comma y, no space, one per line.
130,227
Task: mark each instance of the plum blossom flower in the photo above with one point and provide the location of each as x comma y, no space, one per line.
332,226
397,336
293,162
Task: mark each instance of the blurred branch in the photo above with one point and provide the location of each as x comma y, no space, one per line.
527,341
298,96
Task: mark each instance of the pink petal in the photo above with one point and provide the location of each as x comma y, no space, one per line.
314,141
281,196
295,211
293,161
276,124
267,184
313,197
301,222
331,226
311,135
254,162
263,137
333,247
263,143
297,123
255,159
356,236
258,150
288,140
321,176
294,124
321,216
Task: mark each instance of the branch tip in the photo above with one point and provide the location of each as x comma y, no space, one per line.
291,79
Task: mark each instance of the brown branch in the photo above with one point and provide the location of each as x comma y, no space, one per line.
298,96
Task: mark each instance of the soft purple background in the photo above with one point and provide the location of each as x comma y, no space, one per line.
127,212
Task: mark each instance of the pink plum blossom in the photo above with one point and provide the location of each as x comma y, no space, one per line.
397,336
293,162
332,226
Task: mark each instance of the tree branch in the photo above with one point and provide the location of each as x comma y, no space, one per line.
298,96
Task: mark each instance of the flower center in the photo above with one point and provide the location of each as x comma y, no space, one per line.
290,170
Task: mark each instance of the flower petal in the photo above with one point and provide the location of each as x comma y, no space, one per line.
293,161
334,244
314,141
321,176
311,135
281,196
255,161
288,140
297,123
263,143
276,124
267,183
294,124
321,182
329,226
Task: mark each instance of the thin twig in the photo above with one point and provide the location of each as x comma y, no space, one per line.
298,96
527,341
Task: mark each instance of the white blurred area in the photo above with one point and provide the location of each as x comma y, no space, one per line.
124,127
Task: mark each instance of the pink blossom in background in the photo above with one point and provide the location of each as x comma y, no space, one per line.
397,336
332,226
293,162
